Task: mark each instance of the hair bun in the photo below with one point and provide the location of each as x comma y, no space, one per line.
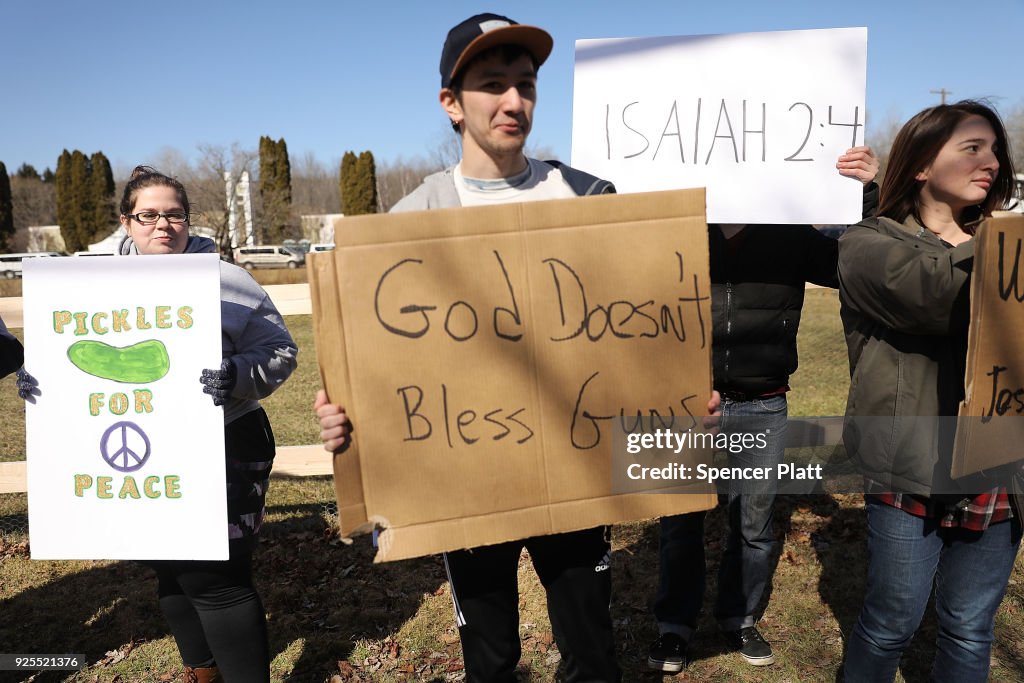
147,176
141,171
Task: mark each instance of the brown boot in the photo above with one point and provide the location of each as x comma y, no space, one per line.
206,674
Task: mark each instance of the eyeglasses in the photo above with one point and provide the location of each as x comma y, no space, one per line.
151,217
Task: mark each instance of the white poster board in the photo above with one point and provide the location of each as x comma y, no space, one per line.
125,453
759,119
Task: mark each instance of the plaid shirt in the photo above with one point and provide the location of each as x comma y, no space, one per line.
983,510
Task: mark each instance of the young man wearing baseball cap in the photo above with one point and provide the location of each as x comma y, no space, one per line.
489,69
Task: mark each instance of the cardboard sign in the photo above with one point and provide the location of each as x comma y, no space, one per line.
990,428
125,452
484,355
759,119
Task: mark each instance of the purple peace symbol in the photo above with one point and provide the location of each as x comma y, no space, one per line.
120,446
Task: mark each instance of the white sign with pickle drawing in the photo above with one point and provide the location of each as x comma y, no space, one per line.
125,452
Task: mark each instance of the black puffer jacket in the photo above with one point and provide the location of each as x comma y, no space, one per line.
757,291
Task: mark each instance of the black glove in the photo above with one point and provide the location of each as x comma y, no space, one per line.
28,386
219,383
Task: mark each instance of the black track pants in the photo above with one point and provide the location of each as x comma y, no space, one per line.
574,569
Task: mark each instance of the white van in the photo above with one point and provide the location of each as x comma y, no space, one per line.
10,264
268,256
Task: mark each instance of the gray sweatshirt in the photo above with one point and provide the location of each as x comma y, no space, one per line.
438,189
253,334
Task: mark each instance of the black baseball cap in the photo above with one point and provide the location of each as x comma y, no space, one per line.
484,31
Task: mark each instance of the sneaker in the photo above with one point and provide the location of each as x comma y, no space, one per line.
751,645
668,653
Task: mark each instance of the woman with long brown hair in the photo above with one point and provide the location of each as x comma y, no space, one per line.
904,291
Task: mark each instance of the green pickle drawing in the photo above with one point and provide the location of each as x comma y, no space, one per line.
141,363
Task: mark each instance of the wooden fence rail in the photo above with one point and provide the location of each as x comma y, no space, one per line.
291,461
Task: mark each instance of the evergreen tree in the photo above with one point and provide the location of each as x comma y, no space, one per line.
275,188
6,209
62,179
76,200
347,175
358,184
268,167
366,173
81,191
104,216
85,198
266,163
284,172
27,171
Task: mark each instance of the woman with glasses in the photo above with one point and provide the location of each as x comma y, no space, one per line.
213,609
904,293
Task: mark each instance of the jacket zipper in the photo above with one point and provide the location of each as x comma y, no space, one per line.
728,321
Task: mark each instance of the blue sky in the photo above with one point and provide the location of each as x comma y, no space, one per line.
130,79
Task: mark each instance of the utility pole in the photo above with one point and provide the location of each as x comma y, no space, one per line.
942,92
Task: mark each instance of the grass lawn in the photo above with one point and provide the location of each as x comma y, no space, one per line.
335,616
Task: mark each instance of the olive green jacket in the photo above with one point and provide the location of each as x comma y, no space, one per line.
905,307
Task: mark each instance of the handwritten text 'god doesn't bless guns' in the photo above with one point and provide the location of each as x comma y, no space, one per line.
416,315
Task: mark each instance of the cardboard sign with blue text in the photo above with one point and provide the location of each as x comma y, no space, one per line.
759,119
485,356
125,452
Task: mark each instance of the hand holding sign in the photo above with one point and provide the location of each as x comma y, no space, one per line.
28,386
860,163
219,383
335,428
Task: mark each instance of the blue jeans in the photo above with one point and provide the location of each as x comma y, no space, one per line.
750,546
906,554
